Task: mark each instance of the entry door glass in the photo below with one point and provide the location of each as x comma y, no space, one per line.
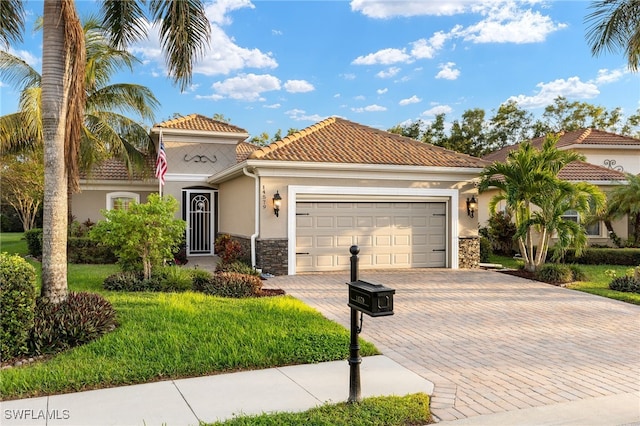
200,223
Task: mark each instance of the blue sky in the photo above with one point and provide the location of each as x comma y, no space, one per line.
288,64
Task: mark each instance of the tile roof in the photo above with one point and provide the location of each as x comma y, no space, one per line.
243,150
576,137
200,122
336,140
115,169
587,172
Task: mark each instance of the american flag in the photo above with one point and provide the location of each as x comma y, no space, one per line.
161,162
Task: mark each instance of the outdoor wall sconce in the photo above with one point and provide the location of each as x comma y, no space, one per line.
277,200
472,206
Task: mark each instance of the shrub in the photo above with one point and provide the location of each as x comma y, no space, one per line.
237,266
485,249
124,281
231,284
34,241
626,284
228,249
554,273
578,274
80,318
85,250
501,231
175,278
200,277
605,256
17,301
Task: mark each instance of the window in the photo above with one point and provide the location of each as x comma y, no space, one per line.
121,200
593,229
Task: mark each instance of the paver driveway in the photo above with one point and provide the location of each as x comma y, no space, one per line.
491,342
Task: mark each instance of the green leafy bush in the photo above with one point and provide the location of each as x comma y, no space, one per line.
175,278
200,277
17,301
34,241
485,249
501,232
80,318
86,250
605,256
578,274
626,283
554,273
231,284
237,266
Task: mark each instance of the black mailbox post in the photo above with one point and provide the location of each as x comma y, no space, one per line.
372,299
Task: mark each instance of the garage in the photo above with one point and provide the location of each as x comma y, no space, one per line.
389,234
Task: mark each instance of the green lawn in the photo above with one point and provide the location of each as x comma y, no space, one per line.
171,335
597,281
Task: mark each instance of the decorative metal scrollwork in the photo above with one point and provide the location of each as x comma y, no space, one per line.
200,159
612,165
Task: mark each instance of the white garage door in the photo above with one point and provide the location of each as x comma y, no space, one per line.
390,235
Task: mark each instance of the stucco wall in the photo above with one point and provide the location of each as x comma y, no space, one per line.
236,199
87,204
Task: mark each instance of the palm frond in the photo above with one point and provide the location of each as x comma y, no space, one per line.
12,22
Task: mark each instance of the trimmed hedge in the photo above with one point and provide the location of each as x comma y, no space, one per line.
34,241
605,256
85,250
17,300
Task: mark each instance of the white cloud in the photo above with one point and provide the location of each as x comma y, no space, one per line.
508,22
298,86
383,9
217,11
272,106
246,87
437,109
222,56
412,100
369,108
388,73
384,57
382,91
572,88
448,71
277,32
301,115
426,49
609,76
32,60
359,98
349,76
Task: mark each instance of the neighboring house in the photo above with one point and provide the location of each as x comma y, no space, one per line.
403,202
607,157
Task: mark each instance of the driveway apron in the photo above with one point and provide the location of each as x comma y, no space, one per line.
491,342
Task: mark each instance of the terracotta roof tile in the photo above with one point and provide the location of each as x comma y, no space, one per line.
587,172
244,150
115,169
336,140
576,137
200,122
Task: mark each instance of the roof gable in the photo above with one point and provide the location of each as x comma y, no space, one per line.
200,123
586,172
336,140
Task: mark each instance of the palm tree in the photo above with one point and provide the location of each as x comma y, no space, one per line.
184,32
625,200
528,178
614,26
106,131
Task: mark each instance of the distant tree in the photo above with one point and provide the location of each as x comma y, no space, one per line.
614,25
510,125
411,130
468,136
563,115
434,132
220,117
263,139
22,178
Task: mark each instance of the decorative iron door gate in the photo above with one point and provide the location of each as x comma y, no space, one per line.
200,222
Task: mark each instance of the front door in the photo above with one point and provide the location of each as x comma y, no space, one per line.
200,216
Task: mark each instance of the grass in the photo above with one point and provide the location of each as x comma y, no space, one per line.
173,335
379,411
13,242
597,281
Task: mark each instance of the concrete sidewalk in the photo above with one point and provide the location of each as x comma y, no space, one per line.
188,401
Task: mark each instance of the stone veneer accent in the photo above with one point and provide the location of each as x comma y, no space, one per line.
272,256
468,252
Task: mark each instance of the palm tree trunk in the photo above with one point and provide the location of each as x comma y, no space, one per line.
55,87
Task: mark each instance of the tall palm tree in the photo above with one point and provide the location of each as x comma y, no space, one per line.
625,200
614,26
106,131
184,32
528,178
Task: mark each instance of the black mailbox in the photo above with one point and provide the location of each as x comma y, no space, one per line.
375,300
